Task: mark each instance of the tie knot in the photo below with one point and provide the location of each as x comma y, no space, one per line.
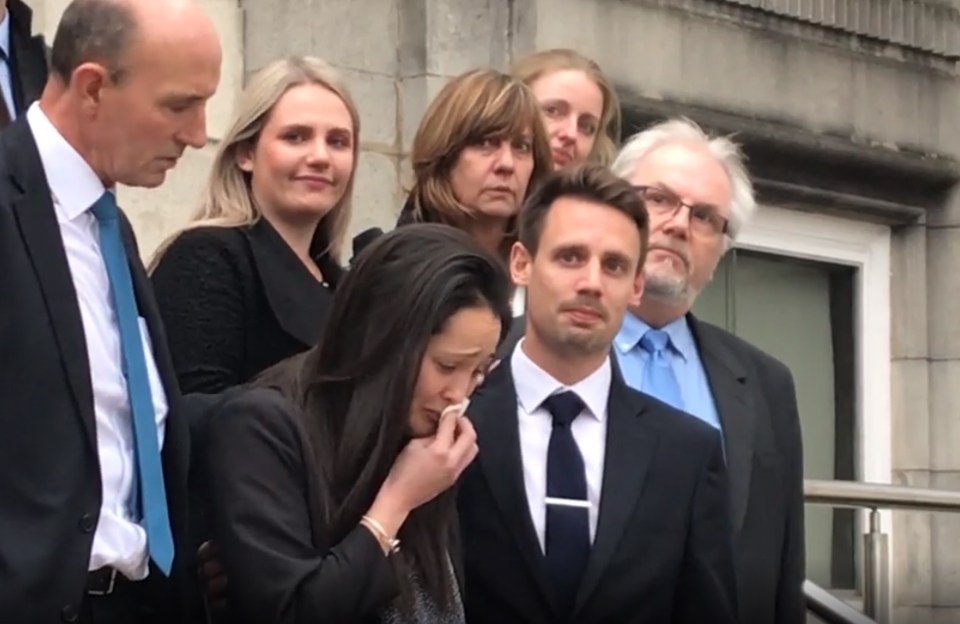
654,341
564,407
105,208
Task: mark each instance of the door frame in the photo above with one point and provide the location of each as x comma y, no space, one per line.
866,247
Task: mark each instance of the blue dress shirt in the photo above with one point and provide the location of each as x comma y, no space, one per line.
684,358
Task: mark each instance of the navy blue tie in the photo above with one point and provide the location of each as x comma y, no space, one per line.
149,479
567,537
659,380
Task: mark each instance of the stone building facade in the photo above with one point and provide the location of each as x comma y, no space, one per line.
848,110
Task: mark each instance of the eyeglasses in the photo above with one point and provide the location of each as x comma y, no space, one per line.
705,219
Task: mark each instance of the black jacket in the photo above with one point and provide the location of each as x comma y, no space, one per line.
237,300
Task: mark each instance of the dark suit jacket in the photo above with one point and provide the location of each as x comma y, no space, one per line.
28,57
267,519
237,300
51,490
757,405
662,550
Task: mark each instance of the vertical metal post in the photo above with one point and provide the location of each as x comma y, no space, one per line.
876,572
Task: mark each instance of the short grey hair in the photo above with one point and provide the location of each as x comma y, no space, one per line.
726,151
97,31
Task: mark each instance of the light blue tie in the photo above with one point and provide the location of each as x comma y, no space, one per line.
153,498
659,380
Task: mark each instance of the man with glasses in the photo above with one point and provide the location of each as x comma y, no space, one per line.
698,196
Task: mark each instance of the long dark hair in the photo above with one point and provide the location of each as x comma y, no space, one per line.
356,386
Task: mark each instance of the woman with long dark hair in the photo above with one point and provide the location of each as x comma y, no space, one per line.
330,483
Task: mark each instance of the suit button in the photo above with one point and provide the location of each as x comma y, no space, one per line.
88,523
69,614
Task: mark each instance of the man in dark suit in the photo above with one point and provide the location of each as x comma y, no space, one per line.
23,61
589,502
699,195
93,445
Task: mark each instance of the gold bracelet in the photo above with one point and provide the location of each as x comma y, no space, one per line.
389,544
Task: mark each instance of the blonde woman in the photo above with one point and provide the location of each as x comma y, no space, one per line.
580,107
479,150
248,283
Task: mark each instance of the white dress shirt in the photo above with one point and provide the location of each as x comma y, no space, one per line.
534,385
118,541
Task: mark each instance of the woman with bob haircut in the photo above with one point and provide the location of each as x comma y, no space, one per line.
330,476
249,281
479,150
580,107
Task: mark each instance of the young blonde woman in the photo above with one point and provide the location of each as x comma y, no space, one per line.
248,283
580,107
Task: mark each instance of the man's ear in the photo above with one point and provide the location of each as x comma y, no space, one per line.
638,283
87,82
520,261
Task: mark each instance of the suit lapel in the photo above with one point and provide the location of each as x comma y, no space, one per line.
729,386
494,412
33,208
630,447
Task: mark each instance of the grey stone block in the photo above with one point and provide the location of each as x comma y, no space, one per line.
360,34
376,200
944,415
943,288
276,29
908,292
466,34
412,37
416,93
946,537
910,562
943,615
910,414
376,98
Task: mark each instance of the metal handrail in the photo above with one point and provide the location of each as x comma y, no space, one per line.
831,609
879,496
872,496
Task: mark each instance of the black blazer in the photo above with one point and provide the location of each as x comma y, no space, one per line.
662,551
51,490
267,521
28,57
237,300
757,405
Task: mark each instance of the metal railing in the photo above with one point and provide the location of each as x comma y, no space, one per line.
876,564
830,609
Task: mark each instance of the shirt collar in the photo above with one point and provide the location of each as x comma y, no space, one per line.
633,328
5,33
534,385
73,184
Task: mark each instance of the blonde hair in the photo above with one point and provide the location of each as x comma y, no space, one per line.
477,105
227,199
534,66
